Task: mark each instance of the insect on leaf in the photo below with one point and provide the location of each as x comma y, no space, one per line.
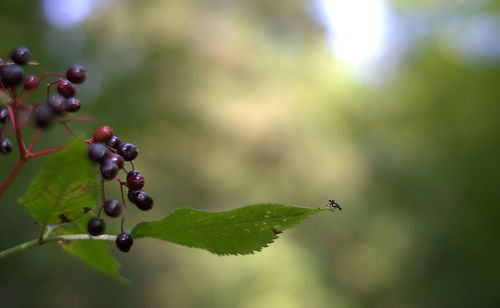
239,231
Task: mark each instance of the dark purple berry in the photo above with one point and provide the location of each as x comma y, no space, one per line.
11,75
103,134
128,151
59,103
21,55
143,200
66,88
31,82
44,116
96,226
108,169
76,74
5,146
112,208
124,241
131,173
114,142
73,104
98,152
4,115
135,182
118,160
132,196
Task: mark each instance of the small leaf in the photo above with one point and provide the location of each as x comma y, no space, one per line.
65,189
95,253
240,231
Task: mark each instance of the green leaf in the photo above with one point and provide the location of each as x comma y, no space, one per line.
95,253
65,189
240,231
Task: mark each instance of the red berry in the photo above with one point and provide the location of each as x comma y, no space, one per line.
65,88
31,82
135,182
103,134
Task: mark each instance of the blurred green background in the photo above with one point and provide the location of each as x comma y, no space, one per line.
389,107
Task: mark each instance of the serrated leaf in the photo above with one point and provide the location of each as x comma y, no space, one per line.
240,231
65,189
95,253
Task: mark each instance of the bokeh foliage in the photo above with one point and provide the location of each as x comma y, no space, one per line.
232,103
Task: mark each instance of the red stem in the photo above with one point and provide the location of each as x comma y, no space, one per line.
25,154
123,207
48,89
103,198
20,143
46,151
12,175
35,138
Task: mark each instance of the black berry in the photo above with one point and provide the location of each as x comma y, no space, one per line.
114,142
118,160
44,116
76,74
21,55
124,241
103,134
59,103
4,115
73,104
98,152
132,196
11,75
135,182
5,146
108,169
143,200
31,82
112,208
66,88
128,151
96,226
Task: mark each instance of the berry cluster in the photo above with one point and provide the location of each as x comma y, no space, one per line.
111,154
54,107
105,148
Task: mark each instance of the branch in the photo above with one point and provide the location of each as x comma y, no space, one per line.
55,238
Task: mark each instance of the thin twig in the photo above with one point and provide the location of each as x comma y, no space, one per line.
55,238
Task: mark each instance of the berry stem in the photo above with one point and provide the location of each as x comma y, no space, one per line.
70,131
46,151
3,88
55,238
12,175
35,138
40,236
48,89
103,198
123,207
20,143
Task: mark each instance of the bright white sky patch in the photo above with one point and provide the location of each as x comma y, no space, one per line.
66,13
357,29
